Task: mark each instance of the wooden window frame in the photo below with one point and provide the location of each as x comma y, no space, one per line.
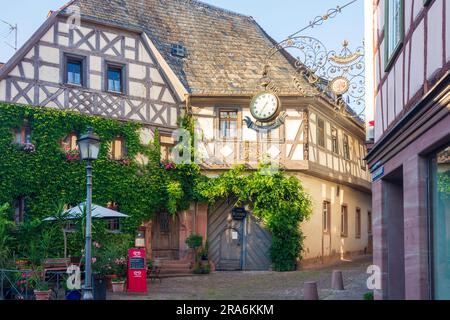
390,57
335,142
24,131
83,76
220,120
19,210
169,146
369,223
346,147
326,222
320,133
344,221
123,77
113,149
113,222
71,147
358,223
362,156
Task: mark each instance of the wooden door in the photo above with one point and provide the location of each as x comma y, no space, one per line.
230,250
165,237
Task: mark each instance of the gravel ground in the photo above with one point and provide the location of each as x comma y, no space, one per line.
259,285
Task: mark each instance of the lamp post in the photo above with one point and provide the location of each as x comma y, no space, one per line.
89,147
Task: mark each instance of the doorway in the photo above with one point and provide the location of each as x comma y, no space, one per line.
165,237
393,211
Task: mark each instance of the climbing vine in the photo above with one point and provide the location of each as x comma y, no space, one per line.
44,174
277,199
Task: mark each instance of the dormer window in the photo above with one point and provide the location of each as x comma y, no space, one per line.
178,50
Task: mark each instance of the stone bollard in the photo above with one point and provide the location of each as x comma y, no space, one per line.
337,281
310,291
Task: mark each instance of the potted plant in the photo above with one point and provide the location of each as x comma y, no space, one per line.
71,294
120,266
40,287
194,242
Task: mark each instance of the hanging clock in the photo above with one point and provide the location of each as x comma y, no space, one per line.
265,106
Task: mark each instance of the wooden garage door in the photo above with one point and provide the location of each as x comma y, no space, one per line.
237,245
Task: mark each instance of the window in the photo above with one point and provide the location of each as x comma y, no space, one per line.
346,148
369,223
167,145
363,155
358,223
117,149
326,213
334,140
69,143
113,225
74,71
321,132
22,135
164,224
178,50
440,223
115,78
228,124
19,210
344,221
394,29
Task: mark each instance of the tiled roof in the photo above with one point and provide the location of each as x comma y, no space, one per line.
226,51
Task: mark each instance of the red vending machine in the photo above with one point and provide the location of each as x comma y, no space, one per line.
137,271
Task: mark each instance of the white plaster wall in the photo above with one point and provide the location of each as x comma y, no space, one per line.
320,191
2,90
435,43
417,60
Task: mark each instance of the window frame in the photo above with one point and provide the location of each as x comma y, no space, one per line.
362,156
320,133
346,147
83,70
358,223
167,146
114,222
221,119
112,149
25,132
70,136
19,205
390,57
344,221
335,142
326,222
123,77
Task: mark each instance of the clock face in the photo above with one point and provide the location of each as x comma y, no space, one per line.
264,106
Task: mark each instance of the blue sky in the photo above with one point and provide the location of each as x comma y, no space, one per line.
279,18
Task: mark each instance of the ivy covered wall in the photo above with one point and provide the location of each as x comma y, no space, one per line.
45,176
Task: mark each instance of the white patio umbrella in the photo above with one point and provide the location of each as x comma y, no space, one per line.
98,212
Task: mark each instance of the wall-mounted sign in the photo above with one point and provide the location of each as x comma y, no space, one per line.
239,213
378,174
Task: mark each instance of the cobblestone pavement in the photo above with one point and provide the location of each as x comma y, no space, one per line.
259,285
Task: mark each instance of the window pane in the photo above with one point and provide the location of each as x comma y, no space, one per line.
440,177
74,72
115,80
394,23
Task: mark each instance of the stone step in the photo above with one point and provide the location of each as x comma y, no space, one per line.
175,271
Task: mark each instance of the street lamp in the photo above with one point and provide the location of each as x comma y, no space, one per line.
89,147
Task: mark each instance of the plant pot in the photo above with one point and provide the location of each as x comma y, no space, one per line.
109,279
73,295
42,295
118,286
99,289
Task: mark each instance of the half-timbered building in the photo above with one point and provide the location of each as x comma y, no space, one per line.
409,136
152,60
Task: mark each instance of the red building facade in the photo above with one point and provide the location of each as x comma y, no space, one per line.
410,146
